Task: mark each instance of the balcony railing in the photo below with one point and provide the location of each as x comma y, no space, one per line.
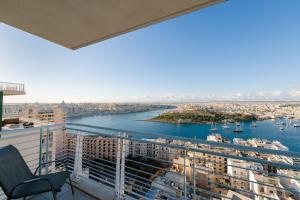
12,88
132,165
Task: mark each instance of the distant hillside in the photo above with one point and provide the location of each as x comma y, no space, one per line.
201,117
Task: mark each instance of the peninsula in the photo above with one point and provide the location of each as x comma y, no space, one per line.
202,116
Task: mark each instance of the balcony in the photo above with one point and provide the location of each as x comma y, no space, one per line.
12,88
117,164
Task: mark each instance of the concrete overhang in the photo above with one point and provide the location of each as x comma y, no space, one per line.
78,23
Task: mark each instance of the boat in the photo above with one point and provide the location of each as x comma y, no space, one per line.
253,125
213,127
238,128
225,126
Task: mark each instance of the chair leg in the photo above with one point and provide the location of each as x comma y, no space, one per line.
71,185
54,195
24,198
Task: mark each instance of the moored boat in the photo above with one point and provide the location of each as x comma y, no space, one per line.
238,128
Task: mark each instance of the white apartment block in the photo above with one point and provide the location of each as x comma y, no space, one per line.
94,147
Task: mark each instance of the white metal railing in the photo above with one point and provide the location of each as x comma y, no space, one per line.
159,166
13,87
147,166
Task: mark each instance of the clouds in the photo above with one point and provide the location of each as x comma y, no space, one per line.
290,95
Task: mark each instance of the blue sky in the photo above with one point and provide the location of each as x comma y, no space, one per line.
234,50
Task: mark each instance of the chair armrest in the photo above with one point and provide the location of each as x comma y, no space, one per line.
31,181
59,160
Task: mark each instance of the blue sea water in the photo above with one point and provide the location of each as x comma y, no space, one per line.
267,129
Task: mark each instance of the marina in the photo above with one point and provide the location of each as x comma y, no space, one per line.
265,129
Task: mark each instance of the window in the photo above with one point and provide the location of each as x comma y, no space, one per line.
261,189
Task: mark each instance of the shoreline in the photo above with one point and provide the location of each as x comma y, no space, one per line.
112,113
173,122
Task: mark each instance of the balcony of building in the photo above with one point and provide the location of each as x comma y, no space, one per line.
117,164
10,89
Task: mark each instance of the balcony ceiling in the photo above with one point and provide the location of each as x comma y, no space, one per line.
78,23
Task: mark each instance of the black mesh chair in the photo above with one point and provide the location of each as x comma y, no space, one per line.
17,181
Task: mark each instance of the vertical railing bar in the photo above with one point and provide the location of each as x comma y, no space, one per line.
122,177
78,157
47,151
194,179
40,152
118,157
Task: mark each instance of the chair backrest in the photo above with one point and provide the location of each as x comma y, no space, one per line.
13,168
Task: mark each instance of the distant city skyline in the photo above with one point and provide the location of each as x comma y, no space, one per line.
237,50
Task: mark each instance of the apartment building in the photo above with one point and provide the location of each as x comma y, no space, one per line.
203,176
268,186
44,114
170,186
238,170
217,163
255,142
235,195
94,147
152,150
142,149
291,183
183,165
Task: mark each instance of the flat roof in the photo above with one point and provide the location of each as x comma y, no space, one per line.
78,23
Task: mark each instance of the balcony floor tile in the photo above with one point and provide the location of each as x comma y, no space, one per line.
65,194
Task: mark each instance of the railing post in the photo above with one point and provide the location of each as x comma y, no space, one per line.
40,152
120,167
118,157
47,151
78,157
123,157
194,179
